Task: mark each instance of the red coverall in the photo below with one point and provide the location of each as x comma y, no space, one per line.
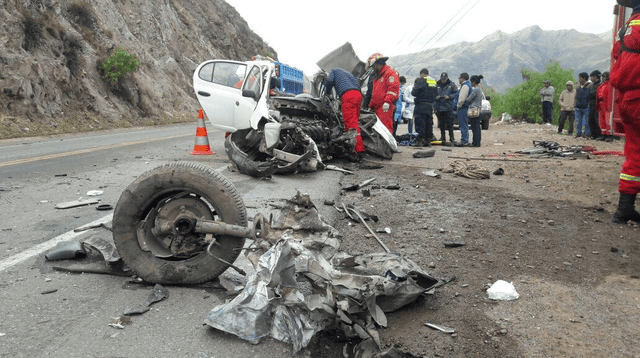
625,77
386,89
604,107
351,102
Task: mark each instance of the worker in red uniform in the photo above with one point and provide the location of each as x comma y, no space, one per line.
348,90
625,77
603,99
386,89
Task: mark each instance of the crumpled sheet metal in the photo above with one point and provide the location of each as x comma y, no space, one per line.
273,304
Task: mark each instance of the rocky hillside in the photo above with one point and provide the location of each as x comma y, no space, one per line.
500,57
51,51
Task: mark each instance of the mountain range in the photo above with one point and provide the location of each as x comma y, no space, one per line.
500,57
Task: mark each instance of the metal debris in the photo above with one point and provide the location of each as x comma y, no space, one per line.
440,328
158,294
137,310
76,203
549,149
304,283
106,247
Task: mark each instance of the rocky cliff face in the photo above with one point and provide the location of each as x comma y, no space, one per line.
50,52
500,57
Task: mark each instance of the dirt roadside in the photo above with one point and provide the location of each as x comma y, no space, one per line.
544,225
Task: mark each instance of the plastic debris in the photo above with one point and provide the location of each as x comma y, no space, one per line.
425,154
95,192
502,291
65,251
431,173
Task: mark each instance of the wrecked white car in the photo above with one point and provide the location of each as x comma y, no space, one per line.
270,131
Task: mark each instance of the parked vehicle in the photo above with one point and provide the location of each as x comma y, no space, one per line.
279,133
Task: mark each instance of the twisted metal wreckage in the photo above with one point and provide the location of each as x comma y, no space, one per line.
303,284
270,131
184,223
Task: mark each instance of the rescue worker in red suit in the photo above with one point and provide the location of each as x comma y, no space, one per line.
625,78
350,95
386,89
604,108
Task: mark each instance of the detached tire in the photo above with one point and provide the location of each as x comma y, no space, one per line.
208,195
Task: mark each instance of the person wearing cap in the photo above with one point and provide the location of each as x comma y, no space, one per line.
425,91
582,106
594,124
546,93
461,107
625,78
386,88
567,101
603,99
447,90
348,90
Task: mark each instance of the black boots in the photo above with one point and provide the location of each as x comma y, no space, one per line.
421,142
626,210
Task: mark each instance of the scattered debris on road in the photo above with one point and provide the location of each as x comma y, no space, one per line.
502,291
303,283
76,203
470,171
440,328
65,251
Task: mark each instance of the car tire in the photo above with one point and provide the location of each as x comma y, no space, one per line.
146,197
485,123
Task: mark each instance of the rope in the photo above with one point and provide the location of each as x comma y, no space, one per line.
470,171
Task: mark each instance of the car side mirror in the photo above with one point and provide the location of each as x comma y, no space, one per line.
249,93
488,98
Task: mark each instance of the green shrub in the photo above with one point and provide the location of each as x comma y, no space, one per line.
118,64
523,100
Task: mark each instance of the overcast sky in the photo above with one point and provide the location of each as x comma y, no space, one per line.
303,31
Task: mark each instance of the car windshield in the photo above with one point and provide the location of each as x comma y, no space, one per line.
223,73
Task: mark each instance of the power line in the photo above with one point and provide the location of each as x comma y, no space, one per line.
413,59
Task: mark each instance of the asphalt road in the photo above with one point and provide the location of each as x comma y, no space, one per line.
36,174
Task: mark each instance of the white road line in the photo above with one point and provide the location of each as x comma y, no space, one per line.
38,249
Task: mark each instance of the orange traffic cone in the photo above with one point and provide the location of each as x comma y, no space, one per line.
201,146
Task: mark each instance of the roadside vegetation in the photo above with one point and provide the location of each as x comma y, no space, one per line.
120,63
523,100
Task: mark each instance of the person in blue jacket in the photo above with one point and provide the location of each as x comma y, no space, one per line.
397,115
447,90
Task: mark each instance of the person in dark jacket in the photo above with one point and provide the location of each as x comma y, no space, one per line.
447,90
594,124
425,91
582,105
348,91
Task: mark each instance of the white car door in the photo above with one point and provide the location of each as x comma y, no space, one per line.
219,85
